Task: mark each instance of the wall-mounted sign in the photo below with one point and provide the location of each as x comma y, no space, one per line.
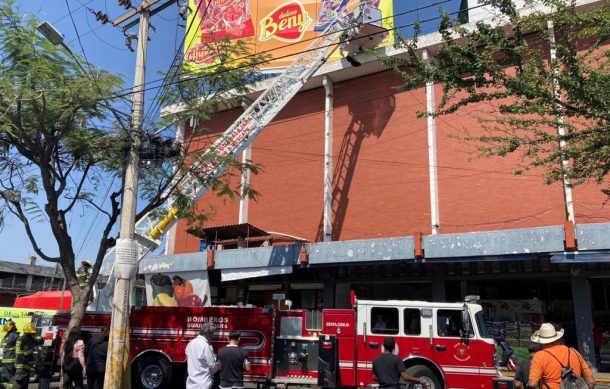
279,28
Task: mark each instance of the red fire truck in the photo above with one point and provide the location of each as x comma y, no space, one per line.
447,344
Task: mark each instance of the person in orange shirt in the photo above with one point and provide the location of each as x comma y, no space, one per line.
545,371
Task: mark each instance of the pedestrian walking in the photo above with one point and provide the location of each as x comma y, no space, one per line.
96,352
9,344
522,373
200,359
389,368
24,357
233,362
548,363
73,360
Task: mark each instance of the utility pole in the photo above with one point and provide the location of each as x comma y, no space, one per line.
117,365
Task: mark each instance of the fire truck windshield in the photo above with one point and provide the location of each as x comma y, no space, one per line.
483,331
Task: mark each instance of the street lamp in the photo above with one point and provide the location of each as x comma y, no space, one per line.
53,35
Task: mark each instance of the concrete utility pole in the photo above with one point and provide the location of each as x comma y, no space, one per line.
117,365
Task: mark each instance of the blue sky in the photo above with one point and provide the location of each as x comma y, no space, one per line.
104,46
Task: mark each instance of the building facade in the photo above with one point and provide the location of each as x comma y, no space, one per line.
416,213
19,279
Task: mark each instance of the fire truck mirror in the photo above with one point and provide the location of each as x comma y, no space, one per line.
465,323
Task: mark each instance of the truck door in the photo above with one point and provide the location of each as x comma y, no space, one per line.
415,337
454,349
375,323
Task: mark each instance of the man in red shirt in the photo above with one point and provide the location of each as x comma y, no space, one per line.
547,363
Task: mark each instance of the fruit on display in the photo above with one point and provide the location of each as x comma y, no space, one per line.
191,300
164,300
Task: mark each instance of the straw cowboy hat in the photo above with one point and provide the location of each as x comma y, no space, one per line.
546,334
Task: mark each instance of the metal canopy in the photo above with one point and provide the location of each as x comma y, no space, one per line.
229,232
581,257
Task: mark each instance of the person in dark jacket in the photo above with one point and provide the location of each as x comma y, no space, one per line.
9,344
233,362
24,357
388,368
95,357
522,373
72,356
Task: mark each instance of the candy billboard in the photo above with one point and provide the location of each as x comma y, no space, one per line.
278,28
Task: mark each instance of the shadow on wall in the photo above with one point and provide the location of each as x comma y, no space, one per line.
369,118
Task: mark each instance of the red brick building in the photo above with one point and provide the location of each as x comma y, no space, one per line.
500,235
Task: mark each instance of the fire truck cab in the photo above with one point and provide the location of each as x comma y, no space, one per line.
446,344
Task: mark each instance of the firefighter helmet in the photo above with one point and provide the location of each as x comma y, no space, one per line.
30,329
8,326
87,262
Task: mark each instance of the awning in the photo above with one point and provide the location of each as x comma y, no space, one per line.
46,300
229,232
581,257
241,273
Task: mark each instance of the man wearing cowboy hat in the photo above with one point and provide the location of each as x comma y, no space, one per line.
545,371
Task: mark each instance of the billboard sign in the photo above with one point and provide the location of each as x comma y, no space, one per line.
279,28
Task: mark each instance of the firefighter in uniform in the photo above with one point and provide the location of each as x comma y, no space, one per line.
8,353
24,361
82,273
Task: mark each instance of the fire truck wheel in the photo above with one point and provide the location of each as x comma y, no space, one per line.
153,372
426,374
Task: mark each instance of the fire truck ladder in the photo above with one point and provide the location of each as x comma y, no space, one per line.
151,228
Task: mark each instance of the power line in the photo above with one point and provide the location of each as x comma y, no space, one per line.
203,76
80,43
174,64
77,9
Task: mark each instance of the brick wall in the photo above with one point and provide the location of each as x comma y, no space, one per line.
380,150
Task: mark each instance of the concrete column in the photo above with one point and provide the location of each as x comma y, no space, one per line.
246,157
439,294
328,160
170,242
329,293
432,170
583,317
342,297
28,282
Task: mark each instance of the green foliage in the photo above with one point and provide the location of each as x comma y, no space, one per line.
58,150
51,133
506,72
62,139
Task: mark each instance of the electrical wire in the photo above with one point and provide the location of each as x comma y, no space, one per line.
80,43
102,40
127,91
95,217
76,10
174,65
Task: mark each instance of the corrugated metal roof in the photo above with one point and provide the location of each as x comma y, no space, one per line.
24,268
230,231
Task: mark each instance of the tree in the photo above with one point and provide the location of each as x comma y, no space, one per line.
504,63
62,139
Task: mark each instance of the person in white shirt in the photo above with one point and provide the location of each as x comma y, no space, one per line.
200,359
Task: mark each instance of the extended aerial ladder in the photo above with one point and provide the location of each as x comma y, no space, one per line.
358,30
